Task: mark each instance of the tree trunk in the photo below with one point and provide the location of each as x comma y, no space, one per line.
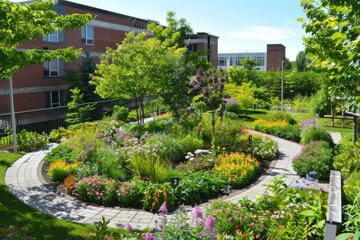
213,121
354,138
137,112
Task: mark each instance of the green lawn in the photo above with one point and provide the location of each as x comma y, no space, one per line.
37,224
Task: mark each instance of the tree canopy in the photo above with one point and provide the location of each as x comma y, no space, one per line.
138,67
333,28
22,23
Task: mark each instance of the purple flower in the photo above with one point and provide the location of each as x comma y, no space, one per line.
197,213
312,173
129,227
210,222
230,100
149,236
163,208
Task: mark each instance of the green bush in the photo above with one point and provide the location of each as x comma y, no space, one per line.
352,186
120,113
263,148
231,115
62,151
347,158
233,108
228,136
190,143
29,141
314,159
317,134
198,187
60,169
57,134
132,116
290,132
280,116
174,150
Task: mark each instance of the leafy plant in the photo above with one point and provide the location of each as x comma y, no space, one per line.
29,141
155,195
57,134
263,148
78,113
347,158
120,113
281,116
13,233
62,151
60,169
314,157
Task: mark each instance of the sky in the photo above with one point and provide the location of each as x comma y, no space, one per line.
241,25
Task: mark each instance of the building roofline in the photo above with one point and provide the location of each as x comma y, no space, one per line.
95,9
207,34
276,44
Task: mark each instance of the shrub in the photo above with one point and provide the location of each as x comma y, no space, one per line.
238,169
132,117
281,116
198,162
157,125
69,183
314,157
263,148
317,134
100,190
269,127
198,187
57,134
233,108
28,141
155,195
174,150
347,158
352,186
290,132
120,113
190,143
60,170
62,151
231,115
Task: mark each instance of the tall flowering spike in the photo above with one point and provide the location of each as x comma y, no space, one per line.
149,236
210,222
129,227
163,207
221,72
207,75
197,213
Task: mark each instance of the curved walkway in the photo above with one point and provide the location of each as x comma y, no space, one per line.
23,178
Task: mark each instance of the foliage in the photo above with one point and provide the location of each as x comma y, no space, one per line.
301,62
287,64
244,94
29,141
238,169
228,136
311,131
281,116
314,157
278,128
212,88
57,134
244,74
352,215
6,140
155,195
234,107
352,186
347,158
11,233
69,183
119,75
201,160
231,115
101,190
263,147
120,113
132,117
78,114
24,23
60,169
331,44
198,187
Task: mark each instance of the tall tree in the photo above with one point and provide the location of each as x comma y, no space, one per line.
24,23
287,64
301,62
136,68
333,28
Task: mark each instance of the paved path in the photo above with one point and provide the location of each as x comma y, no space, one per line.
23,178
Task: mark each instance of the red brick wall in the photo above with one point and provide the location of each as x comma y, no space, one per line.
275,54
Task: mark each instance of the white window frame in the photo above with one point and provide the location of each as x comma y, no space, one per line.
87,38
50,70
53,34
51,100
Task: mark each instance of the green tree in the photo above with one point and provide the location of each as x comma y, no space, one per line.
287,64
301,62
77,113
24,23
244,74
136,68
248,63
177,32
236,75
332,43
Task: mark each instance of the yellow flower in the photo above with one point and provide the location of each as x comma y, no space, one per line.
258,197
223,149
218,147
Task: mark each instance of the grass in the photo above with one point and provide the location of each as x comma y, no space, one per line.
37,224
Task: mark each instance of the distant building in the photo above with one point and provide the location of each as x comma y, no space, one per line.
42,86
269,60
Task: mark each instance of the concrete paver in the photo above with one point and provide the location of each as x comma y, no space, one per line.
23,180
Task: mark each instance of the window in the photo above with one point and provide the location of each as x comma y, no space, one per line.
55,98
222,61
51,69
52,37
87,35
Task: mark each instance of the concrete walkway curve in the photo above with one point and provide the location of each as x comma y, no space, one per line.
23,178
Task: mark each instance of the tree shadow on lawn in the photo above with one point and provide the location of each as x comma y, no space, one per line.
37,224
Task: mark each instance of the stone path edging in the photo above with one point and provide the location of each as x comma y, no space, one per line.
23,179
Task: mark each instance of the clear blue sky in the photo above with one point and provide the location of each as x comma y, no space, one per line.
242,25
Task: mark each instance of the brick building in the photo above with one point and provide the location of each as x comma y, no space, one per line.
275,56
37,87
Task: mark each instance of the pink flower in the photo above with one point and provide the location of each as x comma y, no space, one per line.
129,227
163,207
210,222
197,213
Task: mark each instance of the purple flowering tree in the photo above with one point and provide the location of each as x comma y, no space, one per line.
212,88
